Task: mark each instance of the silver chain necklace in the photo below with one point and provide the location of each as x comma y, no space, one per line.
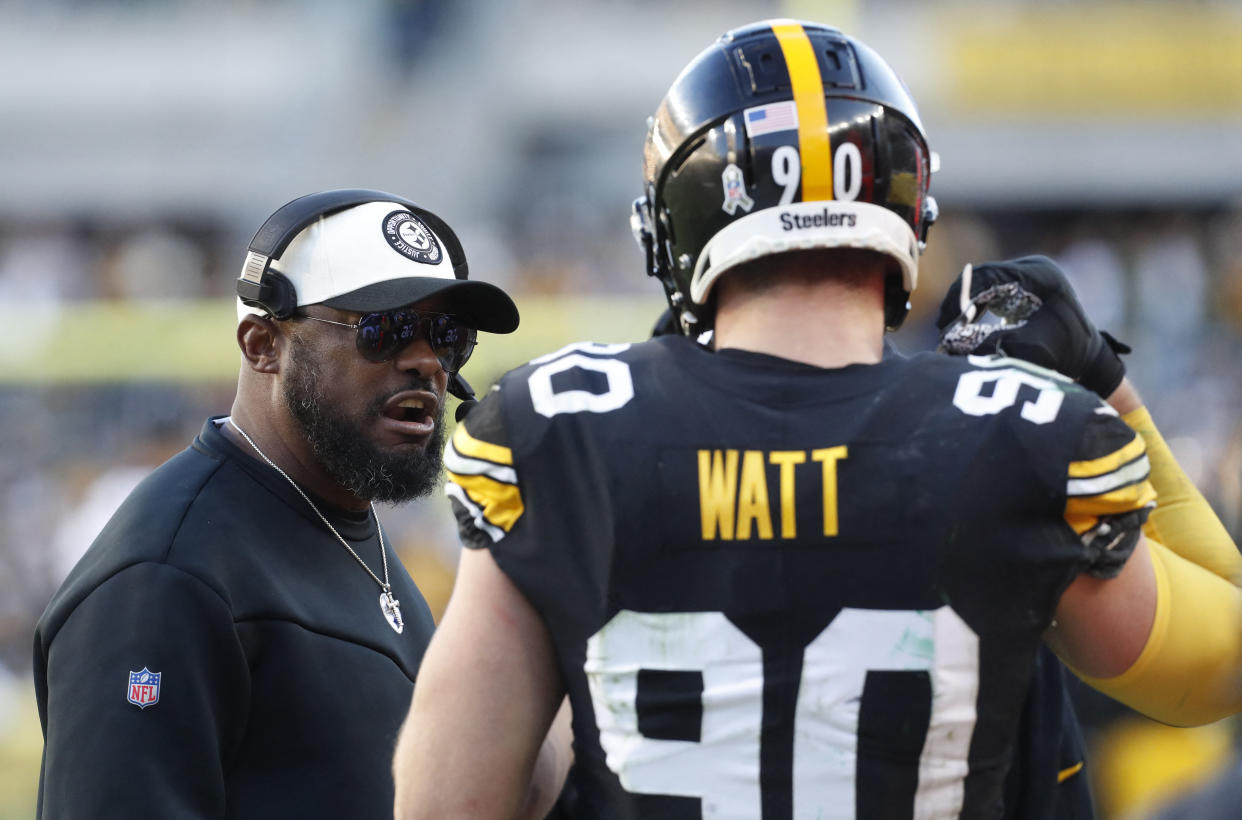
389,605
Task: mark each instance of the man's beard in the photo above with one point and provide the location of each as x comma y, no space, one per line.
344,451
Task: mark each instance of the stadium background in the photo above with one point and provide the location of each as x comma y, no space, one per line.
141,143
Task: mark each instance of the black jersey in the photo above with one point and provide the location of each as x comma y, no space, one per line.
781,591
218,653
1048,777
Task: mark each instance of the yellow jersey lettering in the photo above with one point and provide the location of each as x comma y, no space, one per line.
786,459
717,492
734,501
752,503
829,456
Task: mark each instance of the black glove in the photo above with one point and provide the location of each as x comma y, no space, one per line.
1043,322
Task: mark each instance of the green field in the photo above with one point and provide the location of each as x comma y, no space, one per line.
192,341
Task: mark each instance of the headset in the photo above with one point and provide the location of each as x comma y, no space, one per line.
260,286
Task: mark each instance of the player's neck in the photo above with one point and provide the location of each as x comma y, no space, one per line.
825,324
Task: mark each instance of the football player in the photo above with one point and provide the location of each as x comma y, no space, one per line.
787,577
1047,778
1027,309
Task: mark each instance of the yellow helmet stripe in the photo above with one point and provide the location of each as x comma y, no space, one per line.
808,92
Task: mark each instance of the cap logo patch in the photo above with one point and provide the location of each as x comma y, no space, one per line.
144,688
410,237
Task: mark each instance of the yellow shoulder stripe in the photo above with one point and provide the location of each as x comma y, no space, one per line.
500,503
808,93
471,447
1083,512
1108,463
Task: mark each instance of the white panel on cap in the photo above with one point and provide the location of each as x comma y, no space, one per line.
348,250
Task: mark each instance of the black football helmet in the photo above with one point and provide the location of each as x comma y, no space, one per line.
782,136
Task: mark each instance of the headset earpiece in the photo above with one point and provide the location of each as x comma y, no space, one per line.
274,294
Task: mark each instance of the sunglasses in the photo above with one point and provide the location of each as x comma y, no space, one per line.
381,336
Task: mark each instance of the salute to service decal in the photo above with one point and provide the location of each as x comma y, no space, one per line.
144,688
411,238
735,190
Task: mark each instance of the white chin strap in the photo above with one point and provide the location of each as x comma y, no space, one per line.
804,226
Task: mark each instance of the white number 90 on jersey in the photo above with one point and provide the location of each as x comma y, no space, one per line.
723,767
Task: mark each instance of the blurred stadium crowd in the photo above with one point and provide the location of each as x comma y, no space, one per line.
143,142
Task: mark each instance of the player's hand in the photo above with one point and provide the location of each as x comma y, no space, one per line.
1033,315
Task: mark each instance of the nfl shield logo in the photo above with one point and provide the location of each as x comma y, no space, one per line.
144,688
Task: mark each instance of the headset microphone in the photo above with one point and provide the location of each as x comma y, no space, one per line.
461,388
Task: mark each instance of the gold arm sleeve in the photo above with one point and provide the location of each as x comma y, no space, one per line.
1182,520
1190,671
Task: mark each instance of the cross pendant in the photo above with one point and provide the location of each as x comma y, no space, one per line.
391,608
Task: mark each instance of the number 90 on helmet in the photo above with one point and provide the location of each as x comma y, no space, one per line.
782,136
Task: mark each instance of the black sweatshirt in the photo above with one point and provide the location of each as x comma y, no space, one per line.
218,653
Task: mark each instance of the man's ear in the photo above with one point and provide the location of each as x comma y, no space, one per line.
260,341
